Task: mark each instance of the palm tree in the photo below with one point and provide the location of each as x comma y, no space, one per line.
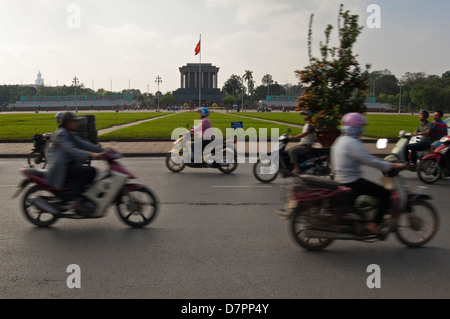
248,77
267,80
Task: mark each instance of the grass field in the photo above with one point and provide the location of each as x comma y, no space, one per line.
24,126
380,125
162,128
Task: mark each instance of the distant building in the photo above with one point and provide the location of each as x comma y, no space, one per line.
192,80
39,81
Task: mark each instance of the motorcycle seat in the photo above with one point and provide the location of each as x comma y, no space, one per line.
40,178
319,182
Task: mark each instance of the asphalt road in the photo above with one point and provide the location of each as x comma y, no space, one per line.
216,237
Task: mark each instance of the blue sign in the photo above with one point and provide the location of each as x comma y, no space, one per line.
236,125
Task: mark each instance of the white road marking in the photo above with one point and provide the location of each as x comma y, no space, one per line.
242,186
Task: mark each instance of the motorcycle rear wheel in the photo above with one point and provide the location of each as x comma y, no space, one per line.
172,166
313,244
229,168
429,171
33,214
417,228
131,207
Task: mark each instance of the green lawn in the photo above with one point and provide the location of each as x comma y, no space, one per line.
380,125
24,126
163,128
288,118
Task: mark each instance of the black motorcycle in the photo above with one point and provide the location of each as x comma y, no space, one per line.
316,162
37,158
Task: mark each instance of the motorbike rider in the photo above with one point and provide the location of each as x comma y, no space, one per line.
306,141
58,117
67,153
202,130
439,130
425,131
348,154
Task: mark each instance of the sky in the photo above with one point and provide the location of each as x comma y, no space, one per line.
129,43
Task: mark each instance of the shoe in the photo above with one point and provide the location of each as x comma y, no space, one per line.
411,166
80,207
373,229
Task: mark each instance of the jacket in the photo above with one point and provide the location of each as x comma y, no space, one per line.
66,148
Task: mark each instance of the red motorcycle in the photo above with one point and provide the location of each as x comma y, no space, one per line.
437,165
43,205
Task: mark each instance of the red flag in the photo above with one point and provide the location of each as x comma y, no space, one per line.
197,48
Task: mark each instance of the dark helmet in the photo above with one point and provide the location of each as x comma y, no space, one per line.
68,117
427,115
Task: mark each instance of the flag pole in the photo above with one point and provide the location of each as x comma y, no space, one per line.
200,76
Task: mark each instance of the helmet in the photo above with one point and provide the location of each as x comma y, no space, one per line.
204,111
306,112
68,117
59,115
354,120
425,113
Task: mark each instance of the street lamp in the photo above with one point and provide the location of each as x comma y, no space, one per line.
75,83
400,102
158,81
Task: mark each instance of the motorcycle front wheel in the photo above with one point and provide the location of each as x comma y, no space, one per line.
138,208
263,178
429,171
172,166
298,227
34,214
418,227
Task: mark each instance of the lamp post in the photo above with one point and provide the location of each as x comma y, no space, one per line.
400,102
158,81
75,83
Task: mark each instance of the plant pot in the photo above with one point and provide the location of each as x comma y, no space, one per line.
327,138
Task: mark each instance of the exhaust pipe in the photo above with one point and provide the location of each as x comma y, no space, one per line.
43,205
328,235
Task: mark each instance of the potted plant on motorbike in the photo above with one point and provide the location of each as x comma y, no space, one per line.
333,84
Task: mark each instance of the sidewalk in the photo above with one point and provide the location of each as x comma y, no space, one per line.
147,149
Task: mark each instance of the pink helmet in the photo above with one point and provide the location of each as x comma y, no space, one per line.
354,120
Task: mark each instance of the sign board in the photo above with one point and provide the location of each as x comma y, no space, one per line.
236,125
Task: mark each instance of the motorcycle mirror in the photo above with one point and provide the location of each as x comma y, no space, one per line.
289,130
382,144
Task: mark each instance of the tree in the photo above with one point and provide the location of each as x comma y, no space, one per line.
233,86
267,80
168,99
248,77
229,100
334,84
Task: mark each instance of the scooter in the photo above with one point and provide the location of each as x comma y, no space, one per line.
317,163
437,165
399,150
322,211
176,159
43,205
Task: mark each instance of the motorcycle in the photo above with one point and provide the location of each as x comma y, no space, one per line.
183,146
37,157
316,162
43,205
322,211
399,150
436,165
